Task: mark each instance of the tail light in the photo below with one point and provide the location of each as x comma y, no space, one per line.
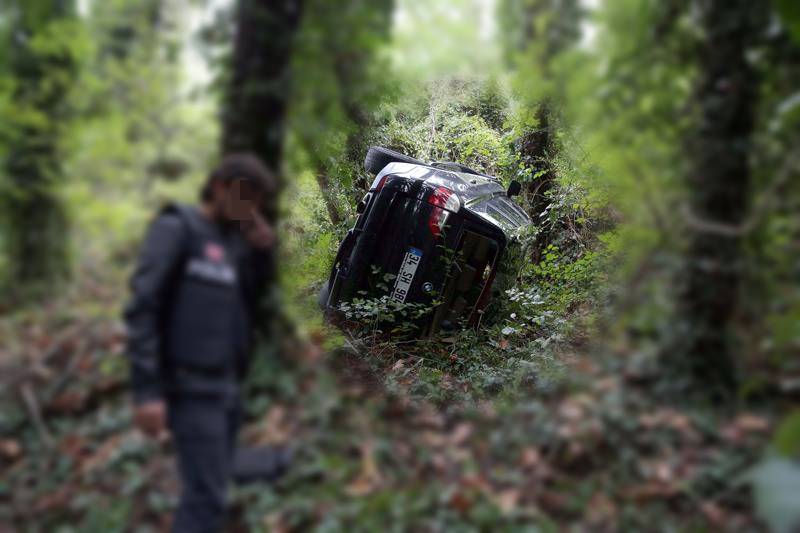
445,202
379,182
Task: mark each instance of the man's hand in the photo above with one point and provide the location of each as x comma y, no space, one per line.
151,417
258,232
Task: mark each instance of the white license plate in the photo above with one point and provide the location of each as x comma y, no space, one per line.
406,274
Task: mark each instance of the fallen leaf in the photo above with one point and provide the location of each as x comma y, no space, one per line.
553,502
713,513
54,500
601,510
738,430
507,500
650,491
68,402
460,502
10,449
428,417
530,457
369,478
752,423
74,446
274,429
102,455
460,434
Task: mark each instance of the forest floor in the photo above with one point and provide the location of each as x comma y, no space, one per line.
376,451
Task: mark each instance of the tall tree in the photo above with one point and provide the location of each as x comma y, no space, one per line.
719,181
258,88
341,83
45,45
537,31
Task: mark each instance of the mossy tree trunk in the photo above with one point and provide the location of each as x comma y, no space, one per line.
719,183
537,32
259,84
41,64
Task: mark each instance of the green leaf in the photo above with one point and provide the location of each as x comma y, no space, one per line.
789,11
787,437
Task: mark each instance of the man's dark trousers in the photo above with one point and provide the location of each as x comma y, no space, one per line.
204,434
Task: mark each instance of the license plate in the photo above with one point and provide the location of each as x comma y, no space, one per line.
406,274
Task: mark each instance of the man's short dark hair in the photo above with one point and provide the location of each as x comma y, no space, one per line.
244,166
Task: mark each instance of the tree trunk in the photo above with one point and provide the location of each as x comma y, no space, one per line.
254,107
536,150
37,231
324,183
719,182
351,35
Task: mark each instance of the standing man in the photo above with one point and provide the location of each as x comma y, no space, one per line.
190,319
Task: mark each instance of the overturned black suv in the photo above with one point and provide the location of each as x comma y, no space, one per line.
440,237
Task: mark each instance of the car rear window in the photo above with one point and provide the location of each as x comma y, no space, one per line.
501,211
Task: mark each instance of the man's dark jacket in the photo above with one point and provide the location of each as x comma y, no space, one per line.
195,292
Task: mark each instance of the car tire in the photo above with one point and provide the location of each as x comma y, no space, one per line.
378,157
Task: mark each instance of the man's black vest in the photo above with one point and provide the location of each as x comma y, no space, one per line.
206,322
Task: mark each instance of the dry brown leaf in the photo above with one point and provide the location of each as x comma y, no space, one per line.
663,472
369,478
68,402
54,500
738,430
553,502
461,434
10,449
751,423
507,500
74,446
530,457
602,510
460,502
650,491
102,455
433,439
475,481
276,522
429,417
274,429
606,385
713,513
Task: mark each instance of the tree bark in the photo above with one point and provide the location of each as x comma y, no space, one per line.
719,180
536,150
324,183
254,106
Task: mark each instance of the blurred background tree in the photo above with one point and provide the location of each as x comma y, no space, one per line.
257,87
45,44
342,79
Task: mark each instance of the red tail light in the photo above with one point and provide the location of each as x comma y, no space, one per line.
379,183
444,198
445,201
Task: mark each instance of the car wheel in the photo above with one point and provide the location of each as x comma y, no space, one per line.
378,157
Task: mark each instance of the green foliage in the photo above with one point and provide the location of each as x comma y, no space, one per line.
790,14
787,437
